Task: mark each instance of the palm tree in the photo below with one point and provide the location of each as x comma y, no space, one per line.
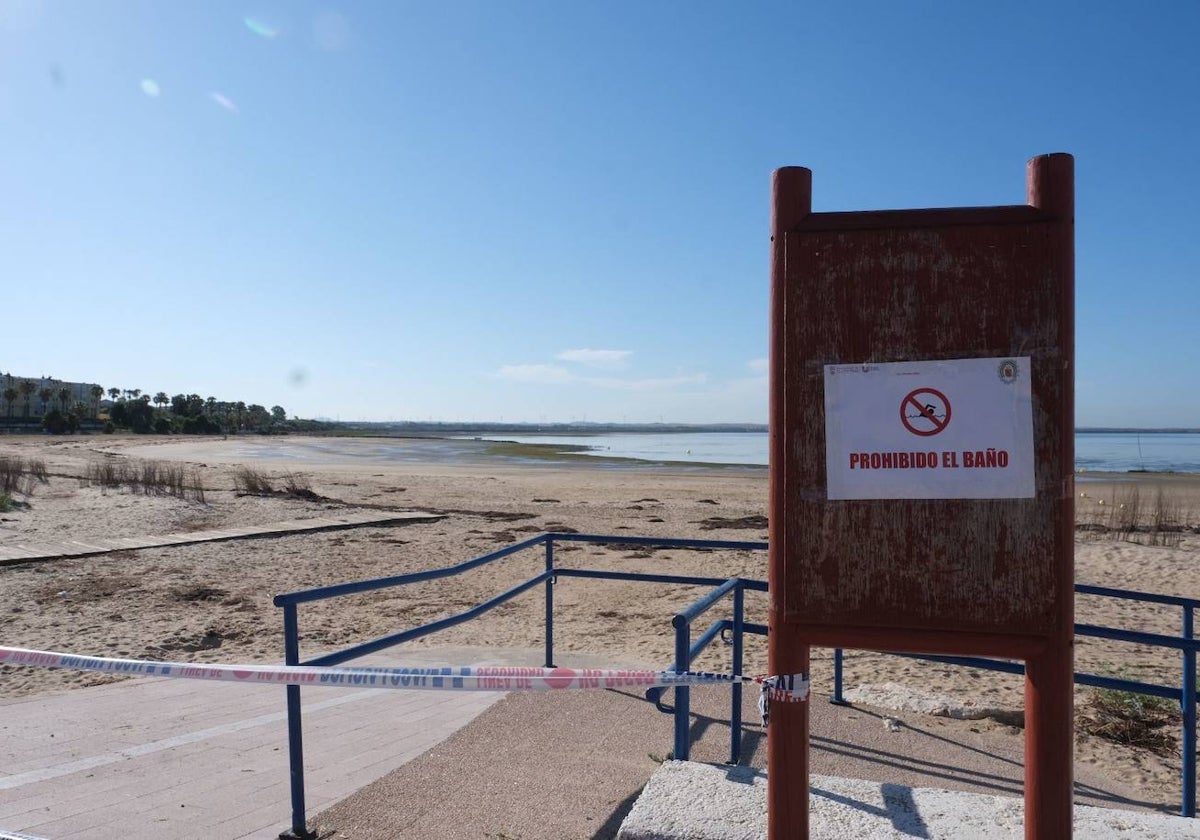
44,395
161,399
27,388
64,398
97,395
113,393
10,397
211,402
135,392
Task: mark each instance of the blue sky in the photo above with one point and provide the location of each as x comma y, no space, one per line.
556,211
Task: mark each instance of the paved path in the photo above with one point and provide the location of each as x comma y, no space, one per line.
26,552
154,758
553,765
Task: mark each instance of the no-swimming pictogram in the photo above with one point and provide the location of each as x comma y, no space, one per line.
925,411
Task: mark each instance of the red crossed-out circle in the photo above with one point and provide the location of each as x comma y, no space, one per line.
916,412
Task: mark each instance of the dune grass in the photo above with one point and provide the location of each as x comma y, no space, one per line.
19,475
251,482
1126,513
150,478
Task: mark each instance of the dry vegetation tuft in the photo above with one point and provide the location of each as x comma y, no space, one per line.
1137,720
1124,513
18,475
151,478
251,482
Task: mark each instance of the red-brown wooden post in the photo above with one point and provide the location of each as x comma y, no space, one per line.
909,548
787,743
1050,678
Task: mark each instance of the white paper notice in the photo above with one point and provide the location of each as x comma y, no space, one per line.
948,429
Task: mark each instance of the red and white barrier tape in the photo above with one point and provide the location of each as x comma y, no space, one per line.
445,678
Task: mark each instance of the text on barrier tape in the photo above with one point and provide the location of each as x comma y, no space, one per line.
472,678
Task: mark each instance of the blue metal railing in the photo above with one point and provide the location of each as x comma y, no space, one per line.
289,602
687,651
730,630
1185,695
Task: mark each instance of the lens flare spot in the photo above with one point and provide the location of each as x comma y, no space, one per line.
259,28
331,31
151,88
224,101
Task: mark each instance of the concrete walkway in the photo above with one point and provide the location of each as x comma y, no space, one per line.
154,758
27,552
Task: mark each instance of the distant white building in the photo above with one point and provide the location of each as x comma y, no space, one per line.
81,392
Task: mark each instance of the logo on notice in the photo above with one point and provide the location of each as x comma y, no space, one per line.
1008,371
925,412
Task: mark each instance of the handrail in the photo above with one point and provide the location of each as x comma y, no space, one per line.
1135,595
1007,667
290,601
425,629
686,651
665,542
1137,637
321,593
649,578
704,604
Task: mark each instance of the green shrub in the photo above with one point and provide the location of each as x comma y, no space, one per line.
201,425
55,422
1138,720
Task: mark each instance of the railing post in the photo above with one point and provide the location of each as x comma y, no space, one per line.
735,711
683,712
291,656
550,603
837,699
1189,716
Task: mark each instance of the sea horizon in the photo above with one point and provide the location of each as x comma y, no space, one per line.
1095,450
651,427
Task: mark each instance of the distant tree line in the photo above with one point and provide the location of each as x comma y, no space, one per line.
131,409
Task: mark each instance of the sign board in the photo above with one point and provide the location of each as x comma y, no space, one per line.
923,501
951,429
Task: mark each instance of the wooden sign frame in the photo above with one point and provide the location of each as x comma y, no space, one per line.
991,577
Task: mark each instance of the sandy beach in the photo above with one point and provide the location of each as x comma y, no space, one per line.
212,602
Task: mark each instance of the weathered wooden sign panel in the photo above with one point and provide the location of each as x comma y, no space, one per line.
948,547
